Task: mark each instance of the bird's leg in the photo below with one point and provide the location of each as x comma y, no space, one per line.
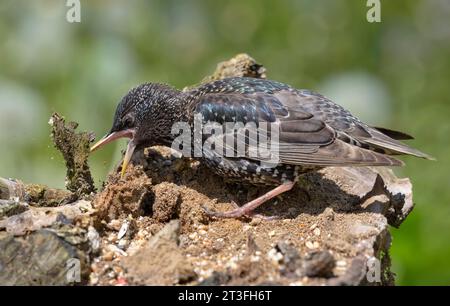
247,209
250,214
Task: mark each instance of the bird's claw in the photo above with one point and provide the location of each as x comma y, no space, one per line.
234,213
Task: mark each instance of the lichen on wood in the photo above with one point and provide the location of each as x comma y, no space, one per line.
74,147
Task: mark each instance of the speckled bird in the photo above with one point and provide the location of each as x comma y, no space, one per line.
313,131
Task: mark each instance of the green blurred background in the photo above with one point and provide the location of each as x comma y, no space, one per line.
395,73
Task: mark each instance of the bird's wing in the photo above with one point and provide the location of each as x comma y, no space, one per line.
306,134
397,135
349,128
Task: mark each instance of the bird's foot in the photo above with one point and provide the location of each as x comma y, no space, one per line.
247,210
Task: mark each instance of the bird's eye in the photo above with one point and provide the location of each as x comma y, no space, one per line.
128,122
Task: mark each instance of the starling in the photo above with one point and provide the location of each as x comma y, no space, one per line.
309,130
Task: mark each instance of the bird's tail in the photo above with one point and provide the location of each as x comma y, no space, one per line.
386,142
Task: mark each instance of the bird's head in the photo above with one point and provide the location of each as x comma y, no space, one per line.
143,115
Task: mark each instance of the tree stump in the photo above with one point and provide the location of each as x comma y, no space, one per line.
150,227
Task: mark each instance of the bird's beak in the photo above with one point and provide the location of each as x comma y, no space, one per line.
130,149
129,133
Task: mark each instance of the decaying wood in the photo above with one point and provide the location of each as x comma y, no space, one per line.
34,194
74,147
